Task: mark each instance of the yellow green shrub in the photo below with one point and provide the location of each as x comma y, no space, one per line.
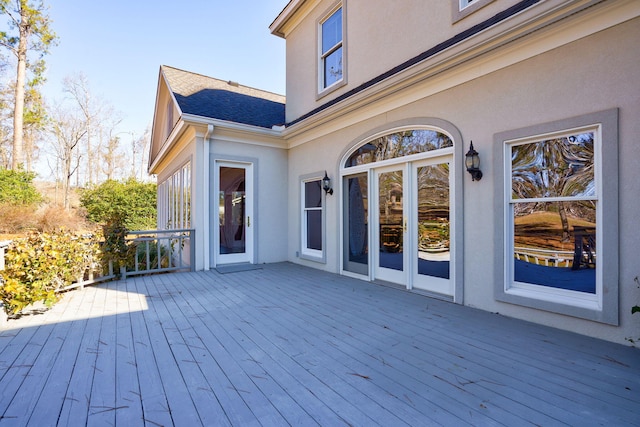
39,264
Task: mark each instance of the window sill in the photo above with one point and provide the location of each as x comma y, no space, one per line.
328,90
322,259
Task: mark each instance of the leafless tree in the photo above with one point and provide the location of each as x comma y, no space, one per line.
69,128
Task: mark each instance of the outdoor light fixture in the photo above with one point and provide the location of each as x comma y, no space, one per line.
326,184
472,161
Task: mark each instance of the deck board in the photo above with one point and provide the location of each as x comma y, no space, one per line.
288,345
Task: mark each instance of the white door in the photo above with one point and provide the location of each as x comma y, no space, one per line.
390,224
411,225
430,226
234,199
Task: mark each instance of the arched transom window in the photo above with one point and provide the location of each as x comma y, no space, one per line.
399,144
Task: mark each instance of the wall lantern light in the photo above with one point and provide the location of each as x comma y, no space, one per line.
326,184
472,162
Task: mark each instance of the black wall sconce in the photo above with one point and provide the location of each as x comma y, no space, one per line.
472,162
326,184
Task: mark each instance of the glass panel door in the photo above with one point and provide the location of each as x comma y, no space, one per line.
356,224
390,260
234,213
431,227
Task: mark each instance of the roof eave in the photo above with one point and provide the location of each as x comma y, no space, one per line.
277,26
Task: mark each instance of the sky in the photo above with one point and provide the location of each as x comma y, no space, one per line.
119,46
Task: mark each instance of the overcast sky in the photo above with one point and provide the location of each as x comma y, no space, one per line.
120,44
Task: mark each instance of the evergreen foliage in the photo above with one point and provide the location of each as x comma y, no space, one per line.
132,202
16,187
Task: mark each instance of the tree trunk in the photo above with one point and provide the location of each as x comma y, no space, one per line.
17,160
565,222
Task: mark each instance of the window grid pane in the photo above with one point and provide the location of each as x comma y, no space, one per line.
553,212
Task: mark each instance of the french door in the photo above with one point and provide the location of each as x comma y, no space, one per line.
431,228
234,199
411,224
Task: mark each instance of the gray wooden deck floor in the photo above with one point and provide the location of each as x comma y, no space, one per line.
287,345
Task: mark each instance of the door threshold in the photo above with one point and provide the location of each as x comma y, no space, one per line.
236,268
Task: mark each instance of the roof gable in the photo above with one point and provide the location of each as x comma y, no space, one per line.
218,99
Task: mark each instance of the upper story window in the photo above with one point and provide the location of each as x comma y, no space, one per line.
331,50
465,3
463,8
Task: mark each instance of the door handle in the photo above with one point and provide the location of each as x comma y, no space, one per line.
404,227
248,221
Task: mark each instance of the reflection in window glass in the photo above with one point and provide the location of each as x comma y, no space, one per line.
312,216
434,246
554,210
356,194
399,144
561,167
331,55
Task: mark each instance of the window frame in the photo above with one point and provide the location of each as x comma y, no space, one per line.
463,8
305,252
603,305
175,199
323,88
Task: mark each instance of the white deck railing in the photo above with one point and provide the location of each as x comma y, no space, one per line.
159,251
155,251
544,257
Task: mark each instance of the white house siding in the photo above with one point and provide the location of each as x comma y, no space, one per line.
595,73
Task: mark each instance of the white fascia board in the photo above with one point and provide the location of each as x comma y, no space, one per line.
175,133
286,17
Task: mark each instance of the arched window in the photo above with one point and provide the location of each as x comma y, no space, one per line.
399,144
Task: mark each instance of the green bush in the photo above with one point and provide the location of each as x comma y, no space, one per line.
16,187
132,201
39,264
115,248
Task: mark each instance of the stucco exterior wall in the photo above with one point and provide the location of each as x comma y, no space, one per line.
568,81
378,37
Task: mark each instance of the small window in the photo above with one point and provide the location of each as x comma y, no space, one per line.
560,217
331,50
463,8
312,219
466,3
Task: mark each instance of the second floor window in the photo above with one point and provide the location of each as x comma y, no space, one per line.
331,50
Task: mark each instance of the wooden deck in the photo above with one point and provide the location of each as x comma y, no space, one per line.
287,345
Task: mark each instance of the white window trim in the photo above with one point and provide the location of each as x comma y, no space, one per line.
173,202
322,89
305,252
463,8
603,306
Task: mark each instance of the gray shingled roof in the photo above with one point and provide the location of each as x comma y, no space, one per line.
218,99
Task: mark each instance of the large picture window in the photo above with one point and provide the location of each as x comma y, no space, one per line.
331,50
553,211
560,217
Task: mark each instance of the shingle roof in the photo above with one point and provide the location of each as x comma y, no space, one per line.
218,99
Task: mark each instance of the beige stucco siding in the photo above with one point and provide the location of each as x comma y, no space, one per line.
568,81
378,37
